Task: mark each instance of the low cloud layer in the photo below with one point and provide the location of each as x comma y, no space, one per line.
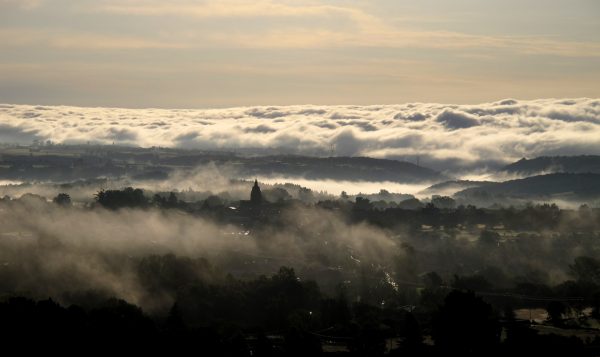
445,137
48,251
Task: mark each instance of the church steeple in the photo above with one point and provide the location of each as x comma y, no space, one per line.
256,195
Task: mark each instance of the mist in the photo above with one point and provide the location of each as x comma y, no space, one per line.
66,252
50,251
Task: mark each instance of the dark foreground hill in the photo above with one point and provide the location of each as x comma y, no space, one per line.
559,185
554,164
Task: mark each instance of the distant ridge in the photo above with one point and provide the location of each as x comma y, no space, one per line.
554,164
565,185
66,162
334,168
451,187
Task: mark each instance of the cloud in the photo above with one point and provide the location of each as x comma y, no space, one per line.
269,113
261,129
223,8
383,36
347,144
12,134
121,135
447,137
456,120
61,39
410,117
313,24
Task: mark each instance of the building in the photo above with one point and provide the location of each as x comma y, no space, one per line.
255,195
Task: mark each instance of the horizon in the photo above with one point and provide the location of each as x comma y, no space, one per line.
496,100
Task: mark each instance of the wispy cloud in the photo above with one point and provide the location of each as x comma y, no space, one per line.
364,29
392,38
224,8
61,39
368,30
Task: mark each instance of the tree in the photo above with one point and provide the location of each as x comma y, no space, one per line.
412,332
443,202
475,282
172,201
115,199
212,202
344,196
362,203
556,310
586,269
276,194
411,203
432,280
465,324
62,199
489,238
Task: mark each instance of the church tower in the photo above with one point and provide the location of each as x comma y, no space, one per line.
255,195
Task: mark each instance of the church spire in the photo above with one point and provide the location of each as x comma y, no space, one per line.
256,195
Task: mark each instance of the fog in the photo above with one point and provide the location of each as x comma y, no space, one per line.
46,250
335,187
73,252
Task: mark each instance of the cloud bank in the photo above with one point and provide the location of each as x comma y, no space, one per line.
445,137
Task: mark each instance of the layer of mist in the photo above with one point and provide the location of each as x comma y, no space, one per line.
65,252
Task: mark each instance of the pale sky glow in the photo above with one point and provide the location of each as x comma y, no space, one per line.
221,53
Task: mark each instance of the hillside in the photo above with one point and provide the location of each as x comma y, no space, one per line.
563,185
554,164
449,188
65,163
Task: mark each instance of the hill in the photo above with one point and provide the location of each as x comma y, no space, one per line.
559,185
72,162
341,168
554,164
449,188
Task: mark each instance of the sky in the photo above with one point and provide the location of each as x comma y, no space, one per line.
228,53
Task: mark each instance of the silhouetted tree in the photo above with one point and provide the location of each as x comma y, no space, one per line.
465,325
443,202
475,282
556,310
62,199
586,269
276,194
362,203
413,339
368,335
115,199
432,280
489,238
